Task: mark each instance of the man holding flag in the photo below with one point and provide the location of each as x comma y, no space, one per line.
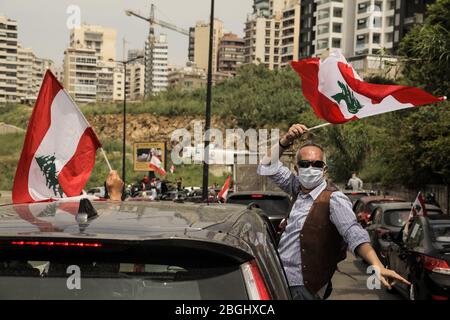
321,224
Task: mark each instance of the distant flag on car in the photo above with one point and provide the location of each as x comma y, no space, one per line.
157,165
338,95
224,191
172,169
418,209
58,154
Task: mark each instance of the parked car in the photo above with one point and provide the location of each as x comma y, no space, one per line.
98,192
390,218
356,195
423,259
365,206
138,250
274,204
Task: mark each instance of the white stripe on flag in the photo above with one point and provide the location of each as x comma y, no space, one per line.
61,140
329,75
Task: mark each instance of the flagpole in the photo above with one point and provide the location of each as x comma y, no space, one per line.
106,159
320,126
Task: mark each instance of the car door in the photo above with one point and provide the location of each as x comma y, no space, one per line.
407,252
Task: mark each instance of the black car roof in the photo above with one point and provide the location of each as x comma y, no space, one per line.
124,221
266,193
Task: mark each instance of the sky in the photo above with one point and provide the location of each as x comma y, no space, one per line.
42,24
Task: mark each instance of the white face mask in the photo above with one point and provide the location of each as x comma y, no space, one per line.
310,177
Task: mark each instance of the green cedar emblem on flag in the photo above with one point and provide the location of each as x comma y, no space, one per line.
48,169
353,105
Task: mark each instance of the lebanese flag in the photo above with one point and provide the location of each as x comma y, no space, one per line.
338,95
418,207
157,165
224,192
59,149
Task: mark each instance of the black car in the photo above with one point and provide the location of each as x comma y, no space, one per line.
423,258
274,204
137,250
389,217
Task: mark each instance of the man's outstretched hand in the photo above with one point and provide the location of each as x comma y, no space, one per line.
294,133
115,186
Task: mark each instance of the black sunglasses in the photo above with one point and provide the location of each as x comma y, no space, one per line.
315,164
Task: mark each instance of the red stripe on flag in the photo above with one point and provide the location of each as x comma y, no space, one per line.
37,128
76,172
377,92
223,193
324,108
157,169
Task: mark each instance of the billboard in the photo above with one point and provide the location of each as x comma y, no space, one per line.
143,152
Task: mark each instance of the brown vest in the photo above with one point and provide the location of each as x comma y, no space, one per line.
321,244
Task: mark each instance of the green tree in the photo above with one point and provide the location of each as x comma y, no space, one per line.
427,50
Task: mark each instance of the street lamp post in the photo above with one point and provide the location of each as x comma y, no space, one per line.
208,106
125,62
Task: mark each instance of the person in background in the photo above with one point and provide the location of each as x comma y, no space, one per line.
355,183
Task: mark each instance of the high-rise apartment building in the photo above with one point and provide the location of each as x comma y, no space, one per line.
136,76
8,59
201,44
25,67
357,27
334,28
307,23
273,39
258,40
231,53
289,32
98,38
80,74
160,79
89,62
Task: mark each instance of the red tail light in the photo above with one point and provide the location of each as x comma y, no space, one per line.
56,244
257,196
435,265
439,298
254,282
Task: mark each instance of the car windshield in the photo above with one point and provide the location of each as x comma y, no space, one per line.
273,205
396,218
440,232
79,279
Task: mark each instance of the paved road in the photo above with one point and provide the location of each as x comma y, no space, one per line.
346,288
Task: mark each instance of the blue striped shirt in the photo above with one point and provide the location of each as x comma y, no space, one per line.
341,215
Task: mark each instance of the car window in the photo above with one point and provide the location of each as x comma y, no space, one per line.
78,279
396,218
375,217
359,206
273,205
440,232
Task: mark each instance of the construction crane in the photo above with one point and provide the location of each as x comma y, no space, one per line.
151,43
